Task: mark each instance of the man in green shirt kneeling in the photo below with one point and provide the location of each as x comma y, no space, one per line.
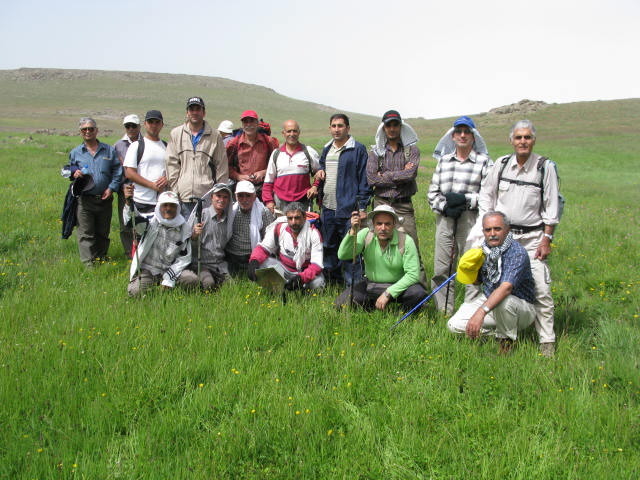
392,268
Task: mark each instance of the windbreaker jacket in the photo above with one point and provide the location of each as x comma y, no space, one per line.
192,173
351,184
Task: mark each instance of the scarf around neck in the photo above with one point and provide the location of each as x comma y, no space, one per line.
491,269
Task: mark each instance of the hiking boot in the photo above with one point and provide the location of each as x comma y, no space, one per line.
548,349
506,346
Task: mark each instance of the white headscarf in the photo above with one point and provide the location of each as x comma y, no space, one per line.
408,137
169,223
446,145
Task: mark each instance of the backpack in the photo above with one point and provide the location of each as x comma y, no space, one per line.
306,154
407,154
541,167
141,149
232,149
401,240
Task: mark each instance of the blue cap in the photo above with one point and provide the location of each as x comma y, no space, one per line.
464,121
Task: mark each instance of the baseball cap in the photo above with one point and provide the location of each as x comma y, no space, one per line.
133,118
226,126
243,186
464,120
195,101
218,187
168,197
391,115
469,266
249,114
153,115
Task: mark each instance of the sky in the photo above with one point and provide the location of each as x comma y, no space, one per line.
425,58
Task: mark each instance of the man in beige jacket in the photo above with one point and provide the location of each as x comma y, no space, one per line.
196,158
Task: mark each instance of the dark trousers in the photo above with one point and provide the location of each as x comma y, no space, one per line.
365,294
333,231
94,224
126,232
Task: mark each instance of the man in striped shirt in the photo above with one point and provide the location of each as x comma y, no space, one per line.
453,196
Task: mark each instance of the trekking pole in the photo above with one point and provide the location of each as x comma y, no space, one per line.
132,207
423,301
453,251
353,257
198,220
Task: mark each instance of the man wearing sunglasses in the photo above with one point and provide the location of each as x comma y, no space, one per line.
131,124
99,164
524,186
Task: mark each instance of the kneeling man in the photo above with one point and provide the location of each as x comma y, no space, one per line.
506,305
297,248
165,250
391,262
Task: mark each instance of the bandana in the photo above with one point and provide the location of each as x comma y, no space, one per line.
446,145
491,269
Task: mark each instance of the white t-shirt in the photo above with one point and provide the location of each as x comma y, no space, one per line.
151,168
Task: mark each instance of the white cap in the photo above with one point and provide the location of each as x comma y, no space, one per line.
168,197
133,118
244,186
226,126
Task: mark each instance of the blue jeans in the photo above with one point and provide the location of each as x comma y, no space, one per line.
333,231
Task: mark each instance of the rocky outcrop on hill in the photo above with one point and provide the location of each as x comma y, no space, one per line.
523,107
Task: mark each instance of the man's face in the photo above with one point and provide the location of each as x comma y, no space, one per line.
383,225
220,201
523,142
133,131
246,200
296,220
392,130
291,133
339,130
168,210
195,115
89,132
153,126
494,230
463,136
250,125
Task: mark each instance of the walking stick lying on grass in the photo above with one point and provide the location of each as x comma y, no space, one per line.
423,301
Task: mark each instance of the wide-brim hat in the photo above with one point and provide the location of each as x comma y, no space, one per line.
384,209
469,265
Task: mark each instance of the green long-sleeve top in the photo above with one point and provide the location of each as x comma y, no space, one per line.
385,266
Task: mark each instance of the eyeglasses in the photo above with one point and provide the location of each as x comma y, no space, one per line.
130,125
87,129
520,137
462,130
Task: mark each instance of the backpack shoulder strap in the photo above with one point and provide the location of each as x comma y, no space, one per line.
402,237
368,239
140,149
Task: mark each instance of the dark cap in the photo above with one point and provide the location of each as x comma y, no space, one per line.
195,101
391,115
153,115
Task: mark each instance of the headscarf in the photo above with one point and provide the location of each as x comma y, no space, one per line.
176,221
408,137
446,146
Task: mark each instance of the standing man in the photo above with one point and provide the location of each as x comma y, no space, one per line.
463,163
390,259
249,152
148,174
100,161
343,165
524,186
132,134
289,171
248,220
196,157
505,306
294,247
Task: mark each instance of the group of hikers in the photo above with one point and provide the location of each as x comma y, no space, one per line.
211,204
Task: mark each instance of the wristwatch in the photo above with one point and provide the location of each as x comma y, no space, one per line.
485,308
549,236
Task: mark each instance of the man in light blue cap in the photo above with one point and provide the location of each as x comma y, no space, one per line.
463,162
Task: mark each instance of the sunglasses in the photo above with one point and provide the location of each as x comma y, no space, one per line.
461,130
520,137
130,125
87,129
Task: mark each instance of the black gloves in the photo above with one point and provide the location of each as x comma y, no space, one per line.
294,283
456,204
251,270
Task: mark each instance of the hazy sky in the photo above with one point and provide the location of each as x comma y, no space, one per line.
429,58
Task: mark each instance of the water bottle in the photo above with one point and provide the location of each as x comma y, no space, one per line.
85,169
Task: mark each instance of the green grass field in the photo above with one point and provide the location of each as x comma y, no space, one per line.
96,385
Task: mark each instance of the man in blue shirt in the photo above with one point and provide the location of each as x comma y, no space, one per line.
94,162
503,268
